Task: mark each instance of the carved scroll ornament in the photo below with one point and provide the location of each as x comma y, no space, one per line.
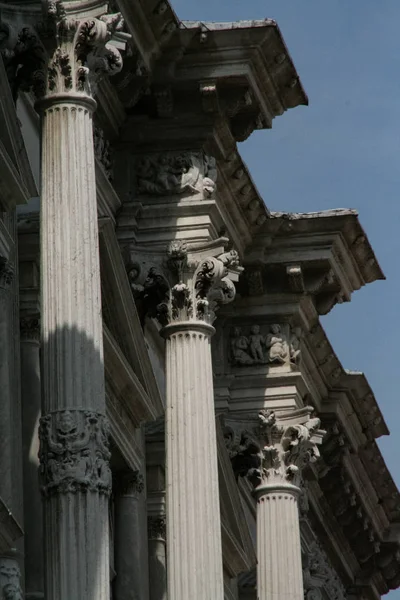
74,454
60,54
187,288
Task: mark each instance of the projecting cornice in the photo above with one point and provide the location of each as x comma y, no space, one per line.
325,255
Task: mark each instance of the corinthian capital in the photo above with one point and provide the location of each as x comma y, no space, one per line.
190,285
83,55
277,448
62,53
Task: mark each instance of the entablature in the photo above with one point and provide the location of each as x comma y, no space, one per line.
325,255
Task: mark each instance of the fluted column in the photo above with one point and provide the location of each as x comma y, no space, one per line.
31,410
193,515
74,454
131,582
197,279
273,454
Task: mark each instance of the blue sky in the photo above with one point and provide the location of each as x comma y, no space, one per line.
341,151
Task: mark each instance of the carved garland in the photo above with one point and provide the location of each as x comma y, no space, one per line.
74,454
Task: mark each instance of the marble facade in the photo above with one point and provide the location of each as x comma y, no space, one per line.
174,421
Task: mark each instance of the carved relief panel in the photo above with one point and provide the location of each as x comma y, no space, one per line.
271,346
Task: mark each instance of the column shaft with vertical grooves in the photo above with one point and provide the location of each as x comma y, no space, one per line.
194,554
279,569
74,454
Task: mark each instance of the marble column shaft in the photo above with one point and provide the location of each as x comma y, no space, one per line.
74,454
279,567
194,549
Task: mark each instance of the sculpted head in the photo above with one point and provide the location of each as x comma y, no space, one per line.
275,328
255,330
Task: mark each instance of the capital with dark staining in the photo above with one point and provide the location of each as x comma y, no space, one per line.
275,448
189,284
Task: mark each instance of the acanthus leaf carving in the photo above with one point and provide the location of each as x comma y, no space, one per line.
157,527
277,448
74,453
186,286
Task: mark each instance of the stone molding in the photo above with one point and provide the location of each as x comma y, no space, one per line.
102,151
157,527
190,284
10,578
274,451
6,273
74,453
30,329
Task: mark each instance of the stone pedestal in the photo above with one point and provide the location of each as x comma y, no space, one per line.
131,565
31,410
156,527
74,454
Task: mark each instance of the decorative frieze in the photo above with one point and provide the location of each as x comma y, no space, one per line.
279,346
171,174
74,454
156,527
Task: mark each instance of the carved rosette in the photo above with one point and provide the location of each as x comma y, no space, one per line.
74,453
10,578
277,449
30,329
6,273
157,527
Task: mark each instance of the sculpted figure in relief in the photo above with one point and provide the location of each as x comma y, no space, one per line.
256,342
170,174
281,346
277,345
239,348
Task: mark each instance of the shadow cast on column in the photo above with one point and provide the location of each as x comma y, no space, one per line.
75,476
